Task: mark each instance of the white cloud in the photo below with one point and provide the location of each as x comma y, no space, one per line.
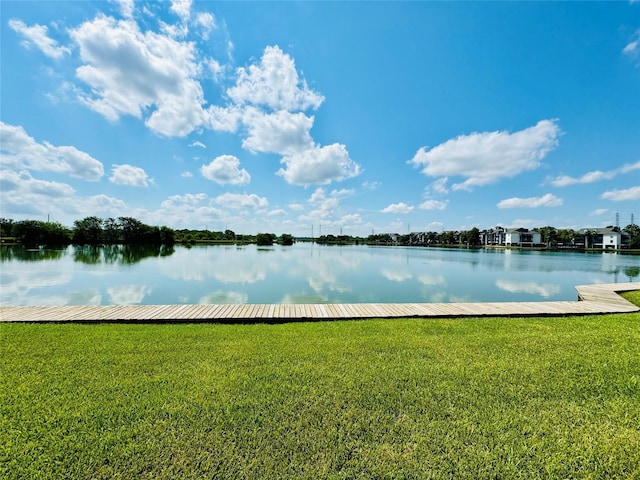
319,165
632,193
439,186
371,185
433,205
129,175
280,132
187,199
599,211
238,200
207,23
547,200
186,174
591,177
22,184
37,35
21,194
189,210
324,206
225,170
398,208
277,212
632,49
19,151
133,73
274,84
198,144
484,158
182,8
126,7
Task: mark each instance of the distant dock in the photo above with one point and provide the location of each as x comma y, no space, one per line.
592,300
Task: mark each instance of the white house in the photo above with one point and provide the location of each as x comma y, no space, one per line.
522,237
605,238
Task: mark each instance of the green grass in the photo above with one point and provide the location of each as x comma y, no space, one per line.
468,398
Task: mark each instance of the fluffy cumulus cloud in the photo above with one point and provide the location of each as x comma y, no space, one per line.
591,177
433,205
22,194
274,84
18,151
547,200
319,165
323,206
38,36
127,69
281,132
129,175
225,170
130,72
632,193
398,208
269,101
484,158
242,200
187,210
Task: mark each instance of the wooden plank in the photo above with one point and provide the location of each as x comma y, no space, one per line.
593,299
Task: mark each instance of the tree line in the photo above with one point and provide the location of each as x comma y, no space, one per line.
88,231
121,231
130,231
552,238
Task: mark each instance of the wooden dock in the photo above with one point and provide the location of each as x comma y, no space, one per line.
592,299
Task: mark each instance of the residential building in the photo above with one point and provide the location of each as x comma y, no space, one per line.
522,237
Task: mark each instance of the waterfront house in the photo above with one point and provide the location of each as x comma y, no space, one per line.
609,238
522,237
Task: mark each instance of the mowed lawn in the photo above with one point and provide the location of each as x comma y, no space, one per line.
455,398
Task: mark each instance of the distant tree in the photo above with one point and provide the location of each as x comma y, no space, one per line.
111,231
566,236
634,235
87,231
264,239
286,239
133,231
167,236
6,227
36,233
471,237
549,236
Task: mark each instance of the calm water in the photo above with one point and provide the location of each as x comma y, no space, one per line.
304,273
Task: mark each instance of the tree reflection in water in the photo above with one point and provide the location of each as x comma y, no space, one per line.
21,253
121,254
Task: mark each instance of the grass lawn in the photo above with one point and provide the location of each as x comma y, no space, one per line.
468,398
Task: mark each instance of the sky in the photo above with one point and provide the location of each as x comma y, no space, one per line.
316,118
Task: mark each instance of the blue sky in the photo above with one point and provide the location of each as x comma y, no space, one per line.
351,117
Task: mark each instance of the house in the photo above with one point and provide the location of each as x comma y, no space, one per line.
608,238
492,237
522,237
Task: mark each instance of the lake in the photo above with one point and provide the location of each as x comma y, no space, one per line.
302,273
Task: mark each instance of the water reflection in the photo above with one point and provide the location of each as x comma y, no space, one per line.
128,294
532,288
123,254
224,297
303,273
8,253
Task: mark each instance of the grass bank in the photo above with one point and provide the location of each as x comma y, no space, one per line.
469,398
